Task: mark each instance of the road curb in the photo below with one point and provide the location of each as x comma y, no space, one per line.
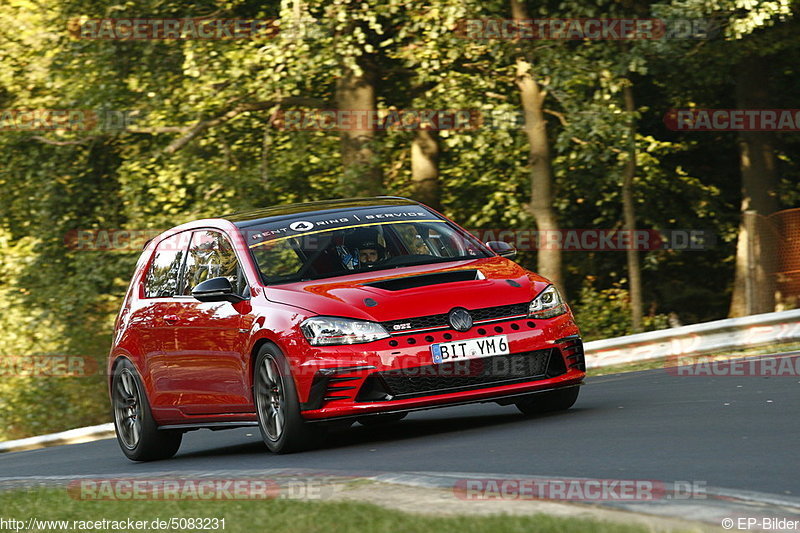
718,504
72,436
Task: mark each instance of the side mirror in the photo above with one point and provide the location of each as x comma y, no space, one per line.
503,249
216,290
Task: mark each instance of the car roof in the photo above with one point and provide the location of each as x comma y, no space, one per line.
257,216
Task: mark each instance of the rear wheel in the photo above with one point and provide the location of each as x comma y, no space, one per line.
547,402
277,406
137,432
380,420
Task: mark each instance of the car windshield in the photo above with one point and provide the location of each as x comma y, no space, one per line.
319,247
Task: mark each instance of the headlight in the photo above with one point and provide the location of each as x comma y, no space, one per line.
547,304
327,331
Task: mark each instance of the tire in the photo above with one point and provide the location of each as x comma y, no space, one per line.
278,408
137,433
380,420
548,402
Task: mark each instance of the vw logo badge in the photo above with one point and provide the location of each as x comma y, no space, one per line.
460,319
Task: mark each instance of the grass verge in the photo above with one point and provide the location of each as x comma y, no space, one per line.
277,516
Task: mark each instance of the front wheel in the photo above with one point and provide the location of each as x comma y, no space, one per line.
547,402
277,406
137,432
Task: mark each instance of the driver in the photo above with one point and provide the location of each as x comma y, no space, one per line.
362,249
370,252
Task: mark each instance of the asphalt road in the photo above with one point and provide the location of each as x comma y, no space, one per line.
732,432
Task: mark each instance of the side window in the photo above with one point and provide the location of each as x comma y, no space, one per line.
211,255
162,277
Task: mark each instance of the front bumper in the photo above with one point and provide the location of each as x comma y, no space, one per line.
397,374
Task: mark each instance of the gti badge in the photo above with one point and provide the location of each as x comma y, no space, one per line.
460,319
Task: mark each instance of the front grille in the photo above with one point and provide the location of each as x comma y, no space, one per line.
462,375
420,322
440,321
502,311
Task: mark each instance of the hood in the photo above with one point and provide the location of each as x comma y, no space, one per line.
414,291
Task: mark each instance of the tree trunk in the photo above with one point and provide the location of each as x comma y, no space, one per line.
754,283
362,174
541,205
629,215
425,168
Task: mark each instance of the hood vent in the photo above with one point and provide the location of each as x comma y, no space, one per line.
423,280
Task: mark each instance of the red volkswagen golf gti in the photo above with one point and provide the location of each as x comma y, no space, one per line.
301,317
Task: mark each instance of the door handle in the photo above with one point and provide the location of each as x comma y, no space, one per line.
171,319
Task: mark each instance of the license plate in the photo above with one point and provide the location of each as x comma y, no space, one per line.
469,349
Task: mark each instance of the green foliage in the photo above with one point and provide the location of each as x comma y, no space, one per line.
606,313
